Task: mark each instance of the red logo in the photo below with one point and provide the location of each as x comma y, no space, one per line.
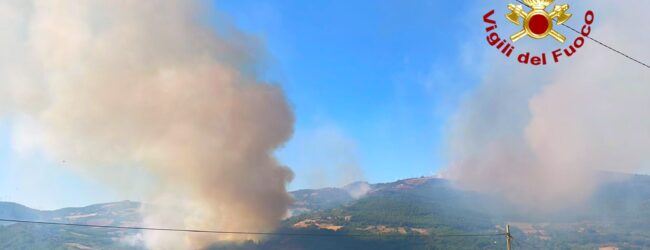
537,24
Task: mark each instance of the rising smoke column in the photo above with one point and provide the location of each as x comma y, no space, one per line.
144,84
539,136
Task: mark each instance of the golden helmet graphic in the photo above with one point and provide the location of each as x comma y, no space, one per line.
538,23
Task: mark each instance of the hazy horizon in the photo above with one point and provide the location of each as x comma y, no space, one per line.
217,109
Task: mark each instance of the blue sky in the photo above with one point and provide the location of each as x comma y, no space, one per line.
385,75
372,85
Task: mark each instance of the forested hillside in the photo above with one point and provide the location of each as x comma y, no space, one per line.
418,213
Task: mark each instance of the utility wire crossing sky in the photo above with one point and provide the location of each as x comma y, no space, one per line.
603,44
242,232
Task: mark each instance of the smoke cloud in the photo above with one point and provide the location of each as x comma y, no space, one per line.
539,136
324,157
114,85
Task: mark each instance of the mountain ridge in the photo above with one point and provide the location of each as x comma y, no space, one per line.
415,208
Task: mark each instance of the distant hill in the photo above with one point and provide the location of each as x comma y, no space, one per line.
17,211
406,214
30,236
410,213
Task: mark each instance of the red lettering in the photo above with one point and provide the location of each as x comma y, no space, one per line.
493,38
523,58
586,33
556,55
510,51
581,42
486,18
535,60
570,51
501,44
589,17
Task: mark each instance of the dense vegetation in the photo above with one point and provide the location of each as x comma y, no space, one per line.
408,214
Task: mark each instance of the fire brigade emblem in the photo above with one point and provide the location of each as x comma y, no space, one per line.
538,23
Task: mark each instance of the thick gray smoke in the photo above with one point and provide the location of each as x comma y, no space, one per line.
539,135
143,84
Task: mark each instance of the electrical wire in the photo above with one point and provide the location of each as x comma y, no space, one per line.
241,232
602,44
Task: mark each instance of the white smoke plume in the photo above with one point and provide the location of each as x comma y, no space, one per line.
146,85
326,155
538,136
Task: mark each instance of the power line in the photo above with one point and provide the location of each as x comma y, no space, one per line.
607,46
601,43
241,232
